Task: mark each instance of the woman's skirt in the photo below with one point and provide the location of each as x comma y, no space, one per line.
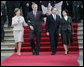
67,37
18,35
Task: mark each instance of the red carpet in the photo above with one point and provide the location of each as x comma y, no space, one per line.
45,59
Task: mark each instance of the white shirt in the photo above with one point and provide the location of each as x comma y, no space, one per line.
66,17
34,12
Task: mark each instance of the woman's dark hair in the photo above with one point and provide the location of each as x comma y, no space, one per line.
65,11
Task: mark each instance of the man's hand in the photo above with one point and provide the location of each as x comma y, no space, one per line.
31,27
47,33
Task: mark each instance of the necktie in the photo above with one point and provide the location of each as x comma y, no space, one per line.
34,15
55,17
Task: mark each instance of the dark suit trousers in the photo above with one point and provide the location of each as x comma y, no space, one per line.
53,40
2,29
38,38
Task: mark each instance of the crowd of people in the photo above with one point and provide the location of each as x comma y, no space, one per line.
57,14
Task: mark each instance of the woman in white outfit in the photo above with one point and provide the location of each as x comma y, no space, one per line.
18,30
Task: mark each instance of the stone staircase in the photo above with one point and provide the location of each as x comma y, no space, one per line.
8,45
80,36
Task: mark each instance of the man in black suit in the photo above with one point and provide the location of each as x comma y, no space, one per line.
11,5
35,24
52,29
81,10
39,5
3,20
76,11
25,8
45,3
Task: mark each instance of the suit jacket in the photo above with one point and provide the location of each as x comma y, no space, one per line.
23,4
45,3
3,11
52,25
75,3
36,23
15,4
66,25
18,25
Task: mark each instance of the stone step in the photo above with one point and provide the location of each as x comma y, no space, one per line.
12,49
11,29
80,25
9,41
12,45
80,50
9,32
80,47
80,28
12,39
8,28
80,32
7,53
7,49
80,42
8,37
80,37
3,53
7,44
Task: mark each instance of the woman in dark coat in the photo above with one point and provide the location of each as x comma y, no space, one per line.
66,31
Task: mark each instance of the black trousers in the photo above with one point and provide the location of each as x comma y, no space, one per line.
38,39
81,13
25,11
2,30
53,40
76,14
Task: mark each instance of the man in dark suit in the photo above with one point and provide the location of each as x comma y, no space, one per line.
45,3
25,8
35,24
52,29
81,10
76,11
3,20
11,5
39,5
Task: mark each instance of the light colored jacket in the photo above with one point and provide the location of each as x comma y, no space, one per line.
18,25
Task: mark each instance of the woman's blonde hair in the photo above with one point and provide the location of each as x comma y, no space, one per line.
16,9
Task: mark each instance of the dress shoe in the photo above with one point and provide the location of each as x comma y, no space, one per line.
37,53
33,52
66,52
18,53
53,53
